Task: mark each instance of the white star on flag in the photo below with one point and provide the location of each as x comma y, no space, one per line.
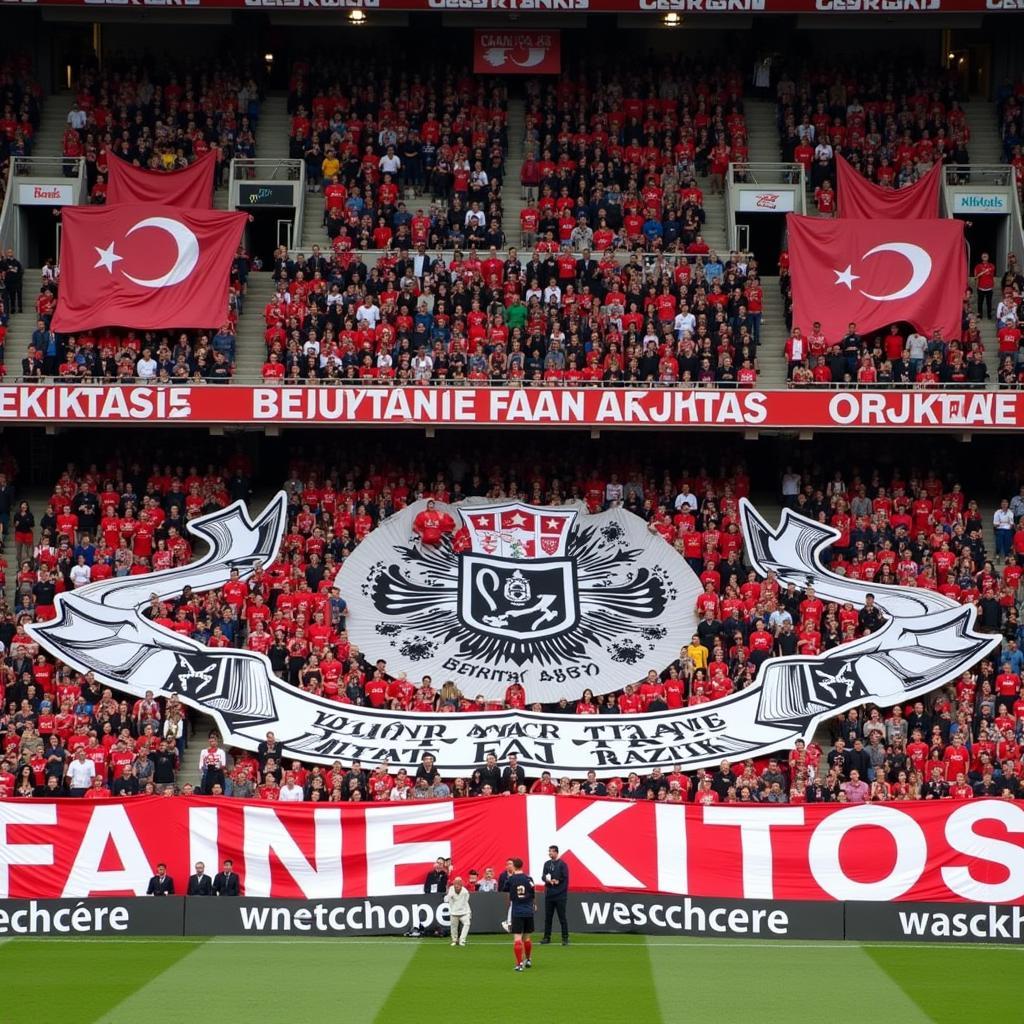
846,276
552,524
518,519
107,258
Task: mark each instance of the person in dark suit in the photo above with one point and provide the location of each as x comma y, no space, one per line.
556,889
587,269
513,775
225,883
161,884
200,884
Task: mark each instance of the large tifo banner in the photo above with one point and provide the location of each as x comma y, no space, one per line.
170,405
944,851
549,598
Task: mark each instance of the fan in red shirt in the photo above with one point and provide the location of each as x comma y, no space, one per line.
985,280
957,759
432,525
651,689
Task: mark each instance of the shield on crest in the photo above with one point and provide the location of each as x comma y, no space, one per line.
515,580
517,598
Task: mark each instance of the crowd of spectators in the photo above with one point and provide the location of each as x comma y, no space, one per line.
161,117
889,118
488,316
914,529
612,157
1010,119
20,109
403,154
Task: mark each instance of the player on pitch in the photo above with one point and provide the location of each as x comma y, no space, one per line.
522,903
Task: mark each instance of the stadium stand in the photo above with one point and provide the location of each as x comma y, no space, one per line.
914,527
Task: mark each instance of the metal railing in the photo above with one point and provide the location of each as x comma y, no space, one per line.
266,169
990,175
257,380
48,166
7,212
53,170
648,260
767,173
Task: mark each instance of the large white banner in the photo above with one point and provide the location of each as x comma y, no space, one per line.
549,597
927,640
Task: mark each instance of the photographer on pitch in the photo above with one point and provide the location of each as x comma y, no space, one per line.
556,890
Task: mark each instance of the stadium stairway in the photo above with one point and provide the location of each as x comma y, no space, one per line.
21,325
37,495
511,192
313,230
715,233
272,130
251,350
762,130
770,358
49,140
985,146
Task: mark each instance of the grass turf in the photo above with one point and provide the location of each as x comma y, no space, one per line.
598,979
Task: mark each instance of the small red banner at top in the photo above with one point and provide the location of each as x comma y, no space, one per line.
517,53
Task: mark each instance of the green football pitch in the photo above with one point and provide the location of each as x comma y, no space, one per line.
623,979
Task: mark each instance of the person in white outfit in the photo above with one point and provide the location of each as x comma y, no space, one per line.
457,899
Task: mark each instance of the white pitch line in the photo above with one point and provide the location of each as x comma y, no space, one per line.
826,944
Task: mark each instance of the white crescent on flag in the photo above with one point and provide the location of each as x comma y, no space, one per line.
187,248
920,263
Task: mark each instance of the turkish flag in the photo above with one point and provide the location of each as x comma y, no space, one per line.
877,272
190,188
146,267
517,53
859,198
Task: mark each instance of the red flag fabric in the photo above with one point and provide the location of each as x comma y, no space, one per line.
191,188
877,272
859,198
146,267
517,52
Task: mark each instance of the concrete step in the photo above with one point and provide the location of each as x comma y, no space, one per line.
49,137
771,362
985,145
21,325
251,349
272,130
762,132
511,202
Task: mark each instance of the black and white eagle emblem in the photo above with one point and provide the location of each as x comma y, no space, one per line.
523,593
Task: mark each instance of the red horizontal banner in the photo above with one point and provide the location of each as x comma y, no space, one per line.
951,851
880,7
517,406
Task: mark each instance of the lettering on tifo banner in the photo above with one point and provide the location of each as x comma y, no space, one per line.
549,597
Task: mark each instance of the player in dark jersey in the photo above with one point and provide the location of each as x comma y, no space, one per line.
522,901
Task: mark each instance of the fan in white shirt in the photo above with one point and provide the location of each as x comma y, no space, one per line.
290,792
